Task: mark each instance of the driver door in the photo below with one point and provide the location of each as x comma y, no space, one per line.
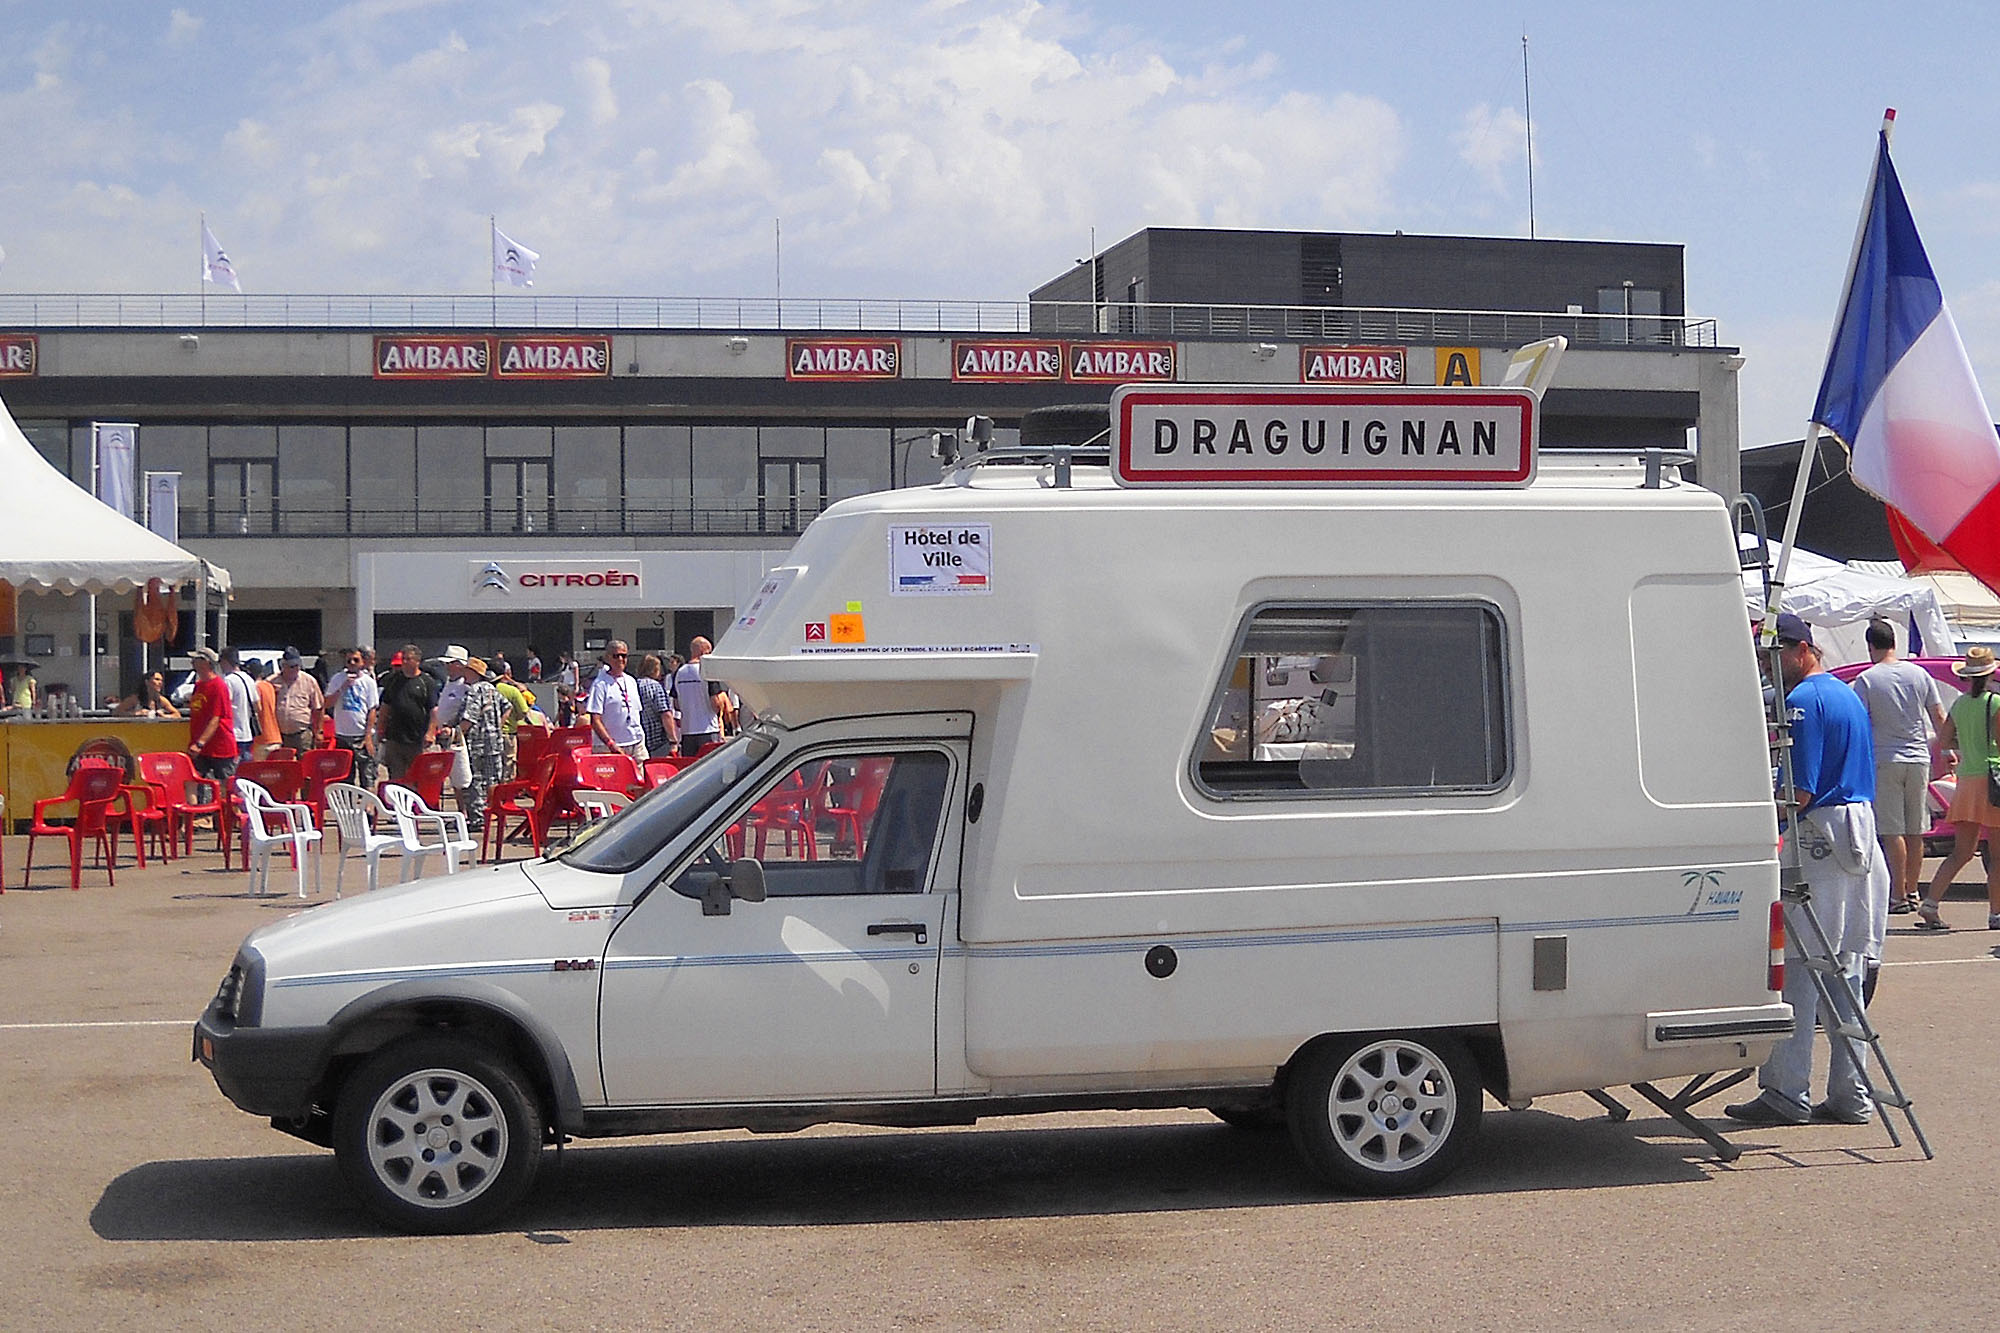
827,989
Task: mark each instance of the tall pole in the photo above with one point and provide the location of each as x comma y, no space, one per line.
492,269
1528,110
1809,450
201,270
778,265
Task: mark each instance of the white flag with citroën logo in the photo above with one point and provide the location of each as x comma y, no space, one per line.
513,262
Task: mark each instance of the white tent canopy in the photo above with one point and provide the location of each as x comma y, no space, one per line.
1838,601
57,537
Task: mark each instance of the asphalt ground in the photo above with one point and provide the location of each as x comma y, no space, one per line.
133,1196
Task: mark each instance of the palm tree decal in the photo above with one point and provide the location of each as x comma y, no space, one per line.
1701,881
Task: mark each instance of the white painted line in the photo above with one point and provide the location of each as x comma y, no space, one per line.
1941,962
112,1023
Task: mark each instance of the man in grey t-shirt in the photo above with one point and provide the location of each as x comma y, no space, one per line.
1904,710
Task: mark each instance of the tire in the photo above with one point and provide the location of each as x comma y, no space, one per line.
481,1141
1384,1114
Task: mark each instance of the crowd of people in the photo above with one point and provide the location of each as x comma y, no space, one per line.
1859,767
386,715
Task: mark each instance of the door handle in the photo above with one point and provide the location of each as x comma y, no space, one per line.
916,928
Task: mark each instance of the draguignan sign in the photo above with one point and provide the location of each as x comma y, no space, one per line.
1237,435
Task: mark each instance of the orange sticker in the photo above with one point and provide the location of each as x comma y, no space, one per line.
845,629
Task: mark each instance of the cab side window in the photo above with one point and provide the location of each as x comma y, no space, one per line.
864,822
1360,700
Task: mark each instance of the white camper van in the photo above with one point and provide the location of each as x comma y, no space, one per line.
1331,798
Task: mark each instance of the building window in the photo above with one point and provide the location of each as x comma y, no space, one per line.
385,478
590,483
182,449
857,461
451,478
312,479
725,479
1360,700
1632,314
659,478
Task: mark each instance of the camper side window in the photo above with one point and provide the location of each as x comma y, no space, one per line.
1360,700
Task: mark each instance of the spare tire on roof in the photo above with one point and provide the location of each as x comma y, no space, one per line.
1066,423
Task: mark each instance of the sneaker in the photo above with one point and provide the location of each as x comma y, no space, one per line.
1826,1113
1763,1112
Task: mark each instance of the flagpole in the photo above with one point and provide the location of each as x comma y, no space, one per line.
201,275
492,275
1809,450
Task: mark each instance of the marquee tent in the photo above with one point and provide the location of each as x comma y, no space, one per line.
57,537
1839,600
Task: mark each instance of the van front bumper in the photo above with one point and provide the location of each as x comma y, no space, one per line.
265,1071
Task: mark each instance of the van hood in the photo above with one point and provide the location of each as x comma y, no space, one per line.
402,903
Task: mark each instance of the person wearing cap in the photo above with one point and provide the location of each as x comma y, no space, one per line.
212,729
1968,729
480,730
450,706
1904,709
1831,811
300,703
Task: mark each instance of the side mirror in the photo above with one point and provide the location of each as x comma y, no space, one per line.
746,879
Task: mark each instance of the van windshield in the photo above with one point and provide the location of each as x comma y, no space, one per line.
625,841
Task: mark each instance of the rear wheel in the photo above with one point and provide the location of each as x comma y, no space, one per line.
1385,1115
437,1134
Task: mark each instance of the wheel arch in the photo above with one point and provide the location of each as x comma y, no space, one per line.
367,1024
1482,1041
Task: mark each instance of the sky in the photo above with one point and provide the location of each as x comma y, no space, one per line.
970,149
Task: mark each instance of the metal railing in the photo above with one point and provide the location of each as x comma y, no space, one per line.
1345,324
776,516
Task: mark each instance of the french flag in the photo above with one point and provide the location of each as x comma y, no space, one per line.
1900,393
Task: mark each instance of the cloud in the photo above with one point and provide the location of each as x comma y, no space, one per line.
1493,141
182,27
928,147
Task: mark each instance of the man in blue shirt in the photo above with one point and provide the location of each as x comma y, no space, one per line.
1832,817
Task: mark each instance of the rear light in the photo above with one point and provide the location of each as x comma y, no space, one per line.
1774,977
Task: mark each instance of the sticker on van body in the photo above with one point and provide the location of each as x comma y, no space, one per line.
940,559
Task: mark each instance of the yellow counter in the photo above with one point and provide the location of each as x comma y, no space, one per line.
34,756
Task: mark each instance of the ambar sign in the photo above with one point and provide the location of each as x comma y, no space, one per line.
1351,365
553,358
1009,361
843,358
1121,362
17,354
431,357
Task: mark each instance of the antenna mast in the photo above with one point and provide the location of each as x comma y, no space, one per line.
1528,107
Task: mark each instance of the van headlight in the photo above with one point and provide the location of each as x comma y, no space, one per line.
240,997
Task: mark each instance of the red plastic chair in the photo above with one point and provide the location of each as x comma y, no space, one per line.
561,808
426,777
146,809
93,789
661,767
187,796
530,744
609,772
524,799
322,767
788,811
849,805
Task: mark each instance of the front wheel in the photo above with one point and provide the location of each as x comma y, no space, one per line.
436,1134
1385,1115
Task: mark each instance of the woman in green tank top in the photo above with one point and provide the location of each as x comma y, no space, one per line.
1969,729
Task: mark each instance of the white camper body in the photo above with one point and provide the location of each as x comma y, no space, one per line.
1340,803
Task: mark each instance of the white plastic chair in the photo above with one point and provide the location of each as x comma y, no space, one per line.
355,812
595,805
427,832
269,824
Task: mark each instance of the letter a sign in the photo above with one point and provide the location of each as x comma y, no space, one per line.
1458,367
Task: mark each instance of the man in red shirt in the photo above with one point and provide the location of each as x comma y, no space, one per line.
210,721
